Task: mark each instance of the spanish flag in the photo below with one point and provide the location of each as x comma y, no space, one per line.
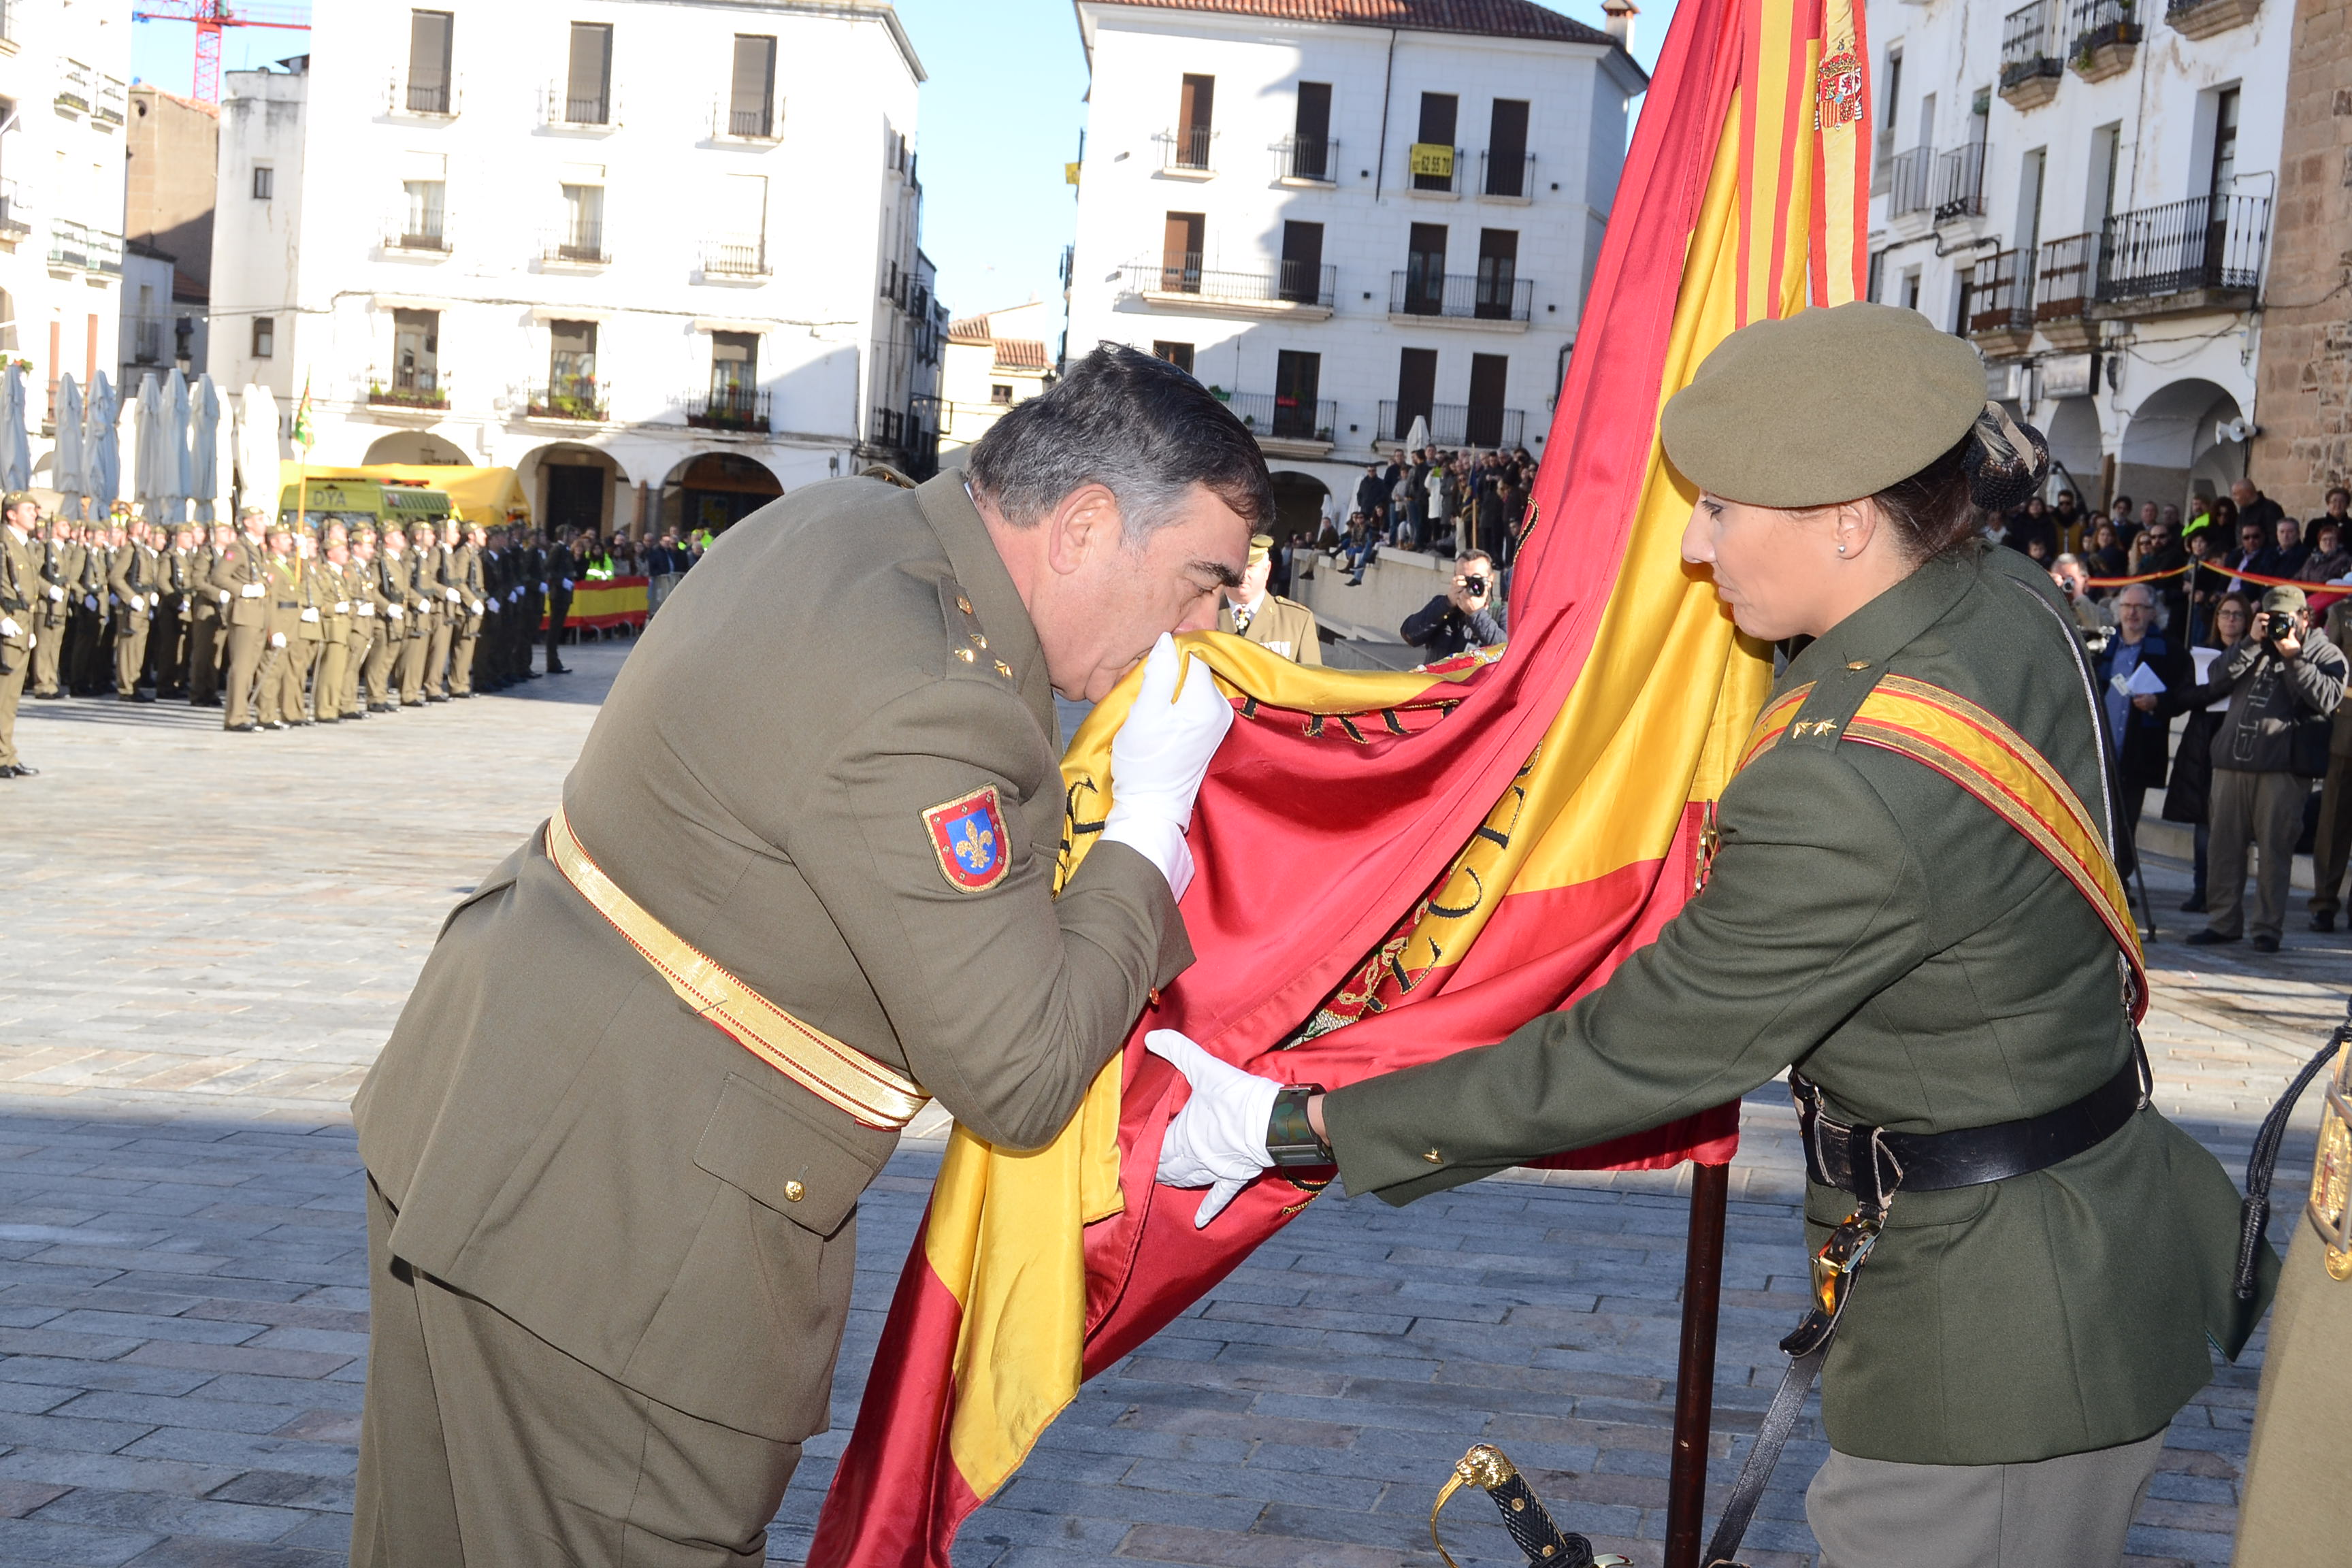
1455,849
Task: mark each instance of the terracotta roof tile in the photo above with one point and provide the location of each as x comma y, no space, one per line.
1020,353
1494,19
968,330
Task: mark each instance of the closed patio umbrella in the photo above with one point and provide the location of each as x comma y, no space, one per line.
101,453
258,481
207,482
68,466
15,446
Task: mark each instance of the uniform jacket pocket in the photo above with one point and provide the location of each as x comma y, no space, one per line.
785,1158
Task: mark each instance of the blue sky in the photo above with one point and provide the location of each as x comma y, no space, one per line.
1001,115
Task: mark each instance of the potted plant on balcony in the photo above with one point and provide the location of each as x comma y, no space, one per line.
2104,48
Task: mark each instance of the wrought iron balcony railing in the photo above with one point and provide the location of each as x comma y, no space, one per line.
1273,416
738,124
735,256
2064,277
558,106
102,252
418,228
726,407
410,387
581,242
1188,148
580,397
429,100
2029,43
1959,183
1313,157
13,221
1454,424
2000,293
1281,282
2094,25
2205,242
1910,176
1507,175
1485,296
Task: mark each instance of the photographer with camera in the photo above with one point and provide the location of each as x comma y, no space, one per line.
2283,680
1458,619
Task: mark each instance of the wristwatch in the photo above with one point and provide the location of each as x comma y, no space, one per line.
1290,1138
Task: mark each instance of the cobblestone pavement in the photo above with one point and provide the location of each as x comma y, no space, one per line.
184,1015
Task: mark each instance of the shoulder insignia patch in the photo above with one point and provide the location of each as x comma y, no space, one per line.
968,838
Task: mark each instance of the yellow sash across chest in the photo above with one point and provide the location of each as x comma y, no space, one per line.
1993,762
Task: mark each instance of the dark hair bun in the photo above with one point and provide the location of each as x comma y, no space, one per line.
2006,459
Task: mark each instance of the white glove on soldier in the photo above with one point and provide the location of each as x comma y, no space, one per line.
1218,1140
1159,757
8,628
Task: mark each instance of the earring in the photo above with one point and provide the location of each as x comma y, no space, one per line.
1841,550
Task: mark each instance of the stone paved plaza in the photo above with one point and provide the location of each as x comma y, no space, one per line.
211,934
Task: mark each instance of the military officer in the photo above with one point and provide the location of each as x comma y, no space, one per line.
90,624
20,596
241,584
1279,625
278,680
370,632
308,648
611,1246
133,592
208,618
2052,1254
441,603
390,579
167,639
330,688
468,612
405,625
50,557
561,568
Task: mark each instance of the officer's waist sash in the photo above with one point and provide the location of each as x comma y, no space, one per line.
840,1074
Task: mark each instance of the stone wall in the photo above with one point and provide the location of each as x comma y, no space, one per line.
2304,402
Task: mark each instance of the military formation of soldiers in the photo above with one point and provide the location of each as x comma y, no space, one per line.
280,625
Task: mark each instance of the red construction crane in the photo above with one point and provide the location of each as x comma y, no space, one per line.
211,17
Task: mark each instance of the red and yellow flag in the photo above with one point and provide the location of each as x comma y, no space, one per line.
1397,867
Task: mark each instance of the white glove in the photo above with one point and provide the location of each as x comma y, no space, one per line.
1159,757
57,594
277,639
394,611
310,614
223,598
367,609
452,593
251,590
1218,1140
9,628
542,587
515,597
155,600
343,606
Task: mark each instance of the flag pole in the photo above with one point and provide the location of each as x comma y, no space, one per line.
1694,1371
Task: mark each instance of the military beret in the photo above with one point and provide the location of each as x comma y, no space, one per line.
1825,406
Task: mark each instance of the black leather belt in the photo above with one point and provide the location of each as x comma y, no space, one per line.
1970,1156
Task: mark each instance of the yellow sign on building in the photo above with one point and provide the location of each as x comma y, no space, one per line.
1429,158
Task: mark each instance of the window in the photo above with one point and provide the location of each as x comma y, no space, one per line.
415,351
1302,264
2029,200
1926,137
264,182
752,95
1884,140
1432,151
1417,388
1506,148
1498,274
265,336
588,85
584,224
999,396
1296,378
429,37
1196,103
1178,354
2099,190
1877,280
734,376
1310,136
1179,253
1488,374
1424,270
2225,142
738,246
1910,301
421,229
571,359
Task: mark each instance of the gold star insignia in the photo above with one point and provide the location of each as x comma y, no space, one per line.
966,655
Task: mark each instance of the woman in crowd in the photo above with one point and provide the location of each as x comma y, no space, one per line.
2105,558
2328,559
2187,796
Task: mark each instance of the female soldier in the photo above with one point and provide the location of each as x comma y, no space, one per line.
2055,1254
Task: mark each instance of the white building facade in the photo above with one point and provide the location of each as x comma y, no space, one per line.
2085,189
1340,226
63,100
580,241
994,363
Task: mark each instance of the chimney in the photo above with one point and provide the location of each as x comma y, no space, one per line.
1621,14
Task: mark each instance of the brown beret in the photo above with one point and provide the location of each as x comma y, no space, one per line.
1824,407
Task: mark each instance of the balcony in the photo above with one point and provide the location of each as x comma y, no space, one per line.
1909,179
1307,160
1959,184
888,427
418,390
111,102
561,111
102,252
2203,19
422,100
2102,35
68,245
2000,309
1285,426
2203,254
730,123
12,224
418,230
73,89
1436,170
2031,60
1186,154
575,245
1494,301
1507,177
1180,282
147,339
583,399
1454,424
2064,277
737,408
735,256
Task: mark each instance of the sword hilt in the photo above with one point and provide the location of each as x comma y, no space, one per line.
1545,1544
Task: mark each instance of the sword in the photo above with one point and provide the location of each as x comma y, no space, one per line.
1532,1529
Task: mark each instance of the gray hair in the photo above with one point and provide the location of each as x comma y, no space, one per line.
1139,426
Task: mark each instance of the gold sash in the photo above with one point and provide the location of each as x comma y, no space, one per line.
840,1074
1993,762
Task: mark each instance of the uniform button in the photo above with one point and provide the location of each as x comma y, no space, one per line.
1432,1156
963,604
1859,664
966,655
977,640
794,1191
1004,669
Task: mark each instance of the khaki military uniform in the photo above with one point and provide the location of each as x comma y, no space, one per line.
1930,970
87,622
50,613
19,597
415,623
206,619
283,656
167,638
134,592
445,605
2296,1510
309,646
612,1250
330,688
240,586
1280,626
389,595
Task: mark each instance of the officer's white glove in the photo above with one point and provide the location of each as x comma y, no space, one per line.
542,587
343,606
394,611
1218,1140
453,594
224,593
57,594
9,628
251,590
1159,757
474,607
310,614
155,600
277,639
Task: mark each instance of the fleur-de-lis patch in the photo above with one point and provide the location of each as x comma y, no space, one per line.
968,838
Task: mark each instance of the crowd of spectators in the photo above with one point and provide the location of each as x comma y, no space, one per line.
2223,683
1449,504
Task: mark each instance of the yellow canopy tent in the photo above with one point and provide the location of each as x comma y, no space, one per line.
490,497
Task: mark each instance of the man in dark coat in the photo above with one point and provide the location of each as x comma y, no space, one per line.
2139,722
1458,619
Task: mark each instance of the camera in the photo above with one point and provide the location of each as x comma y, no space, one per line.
1474,584
2278,624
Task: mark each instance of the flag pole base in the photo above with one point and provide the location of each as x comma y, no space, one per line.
1695,1371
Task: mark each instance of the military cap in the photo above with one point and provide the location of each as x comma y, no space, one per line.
1825,406
1261,545
15,499
2284,598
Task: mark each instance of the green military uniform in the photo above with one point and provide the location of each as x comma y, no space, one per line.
1283,625
408,578
442,608
388,596
19,595
650,1229
134,592
307,648
1930,970
467,614
167,639
50,610
280,679
206,617
330,688
240,585
88,624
